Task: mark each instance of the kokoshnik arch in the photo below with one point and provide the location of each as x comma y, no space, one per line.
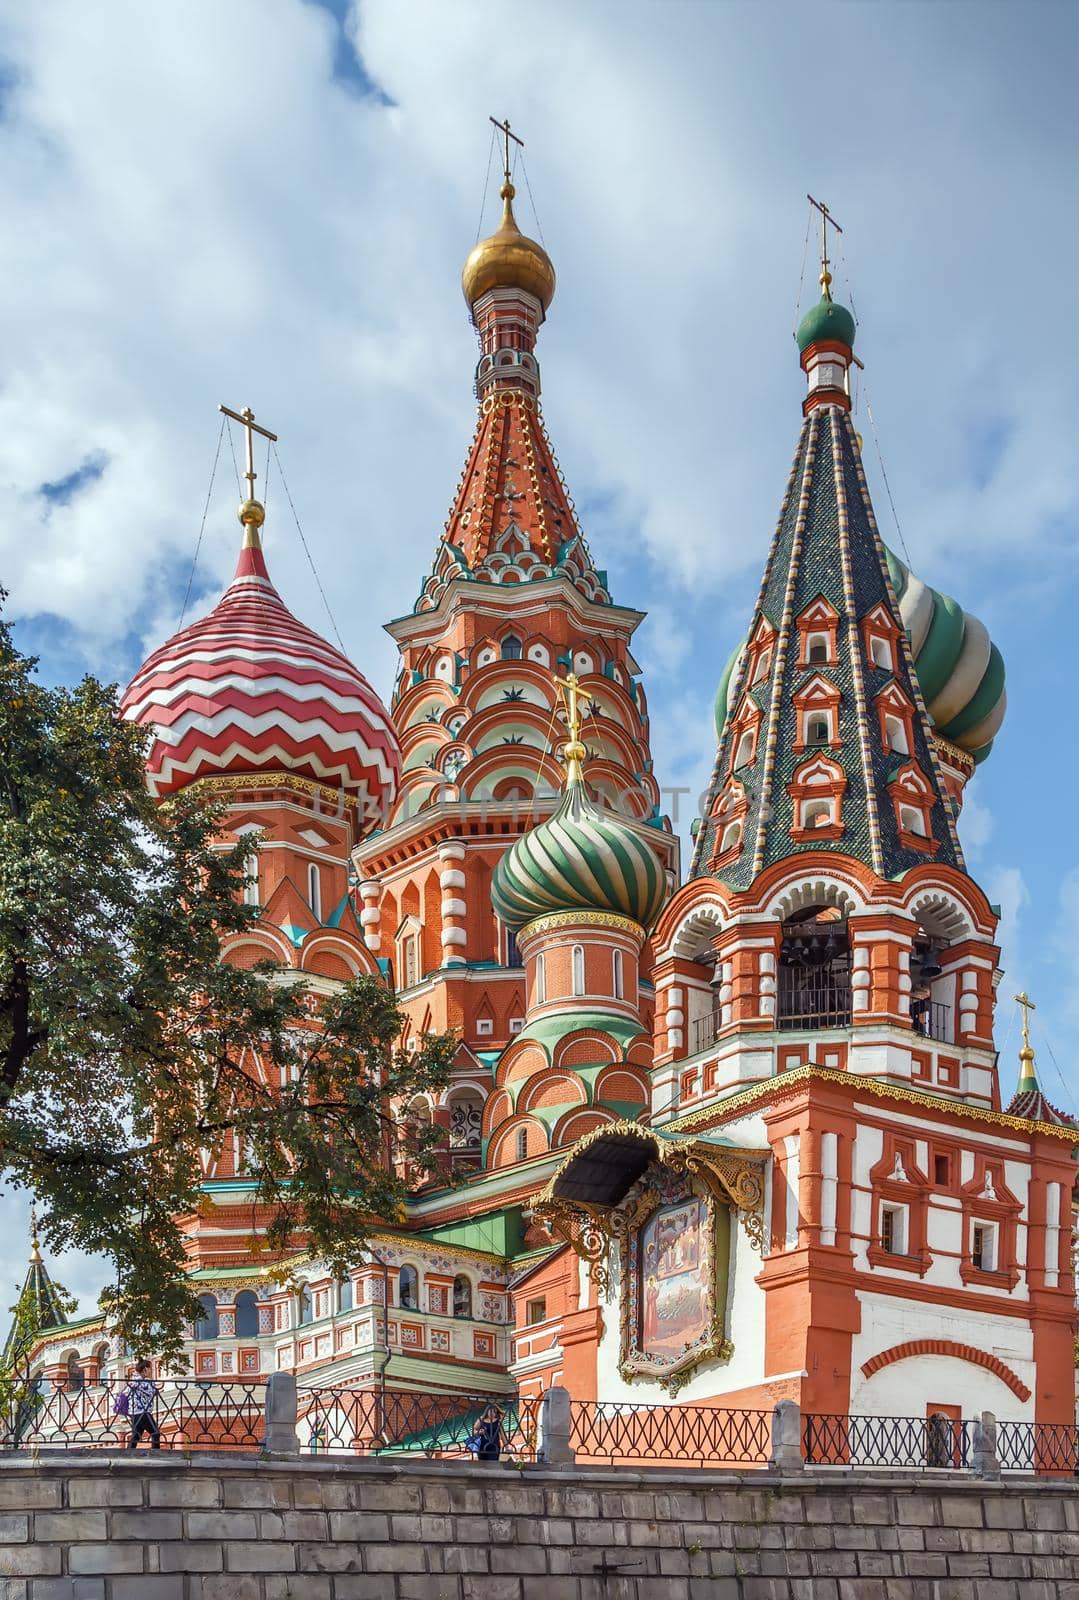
736,1139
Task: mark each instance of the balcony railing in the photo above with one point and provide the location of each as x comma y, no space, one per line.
706,1030
813,999
932,1020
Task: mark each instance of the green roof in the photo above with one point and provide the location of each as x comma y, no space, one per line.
825,320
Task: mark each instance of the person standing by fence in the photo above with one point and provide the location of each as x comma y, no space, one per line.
141,1396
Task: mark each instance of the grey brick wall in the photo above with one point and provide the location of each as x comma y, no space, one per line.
88,1527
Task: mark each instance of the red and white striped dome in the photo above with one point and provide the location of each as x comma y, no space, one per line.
250,689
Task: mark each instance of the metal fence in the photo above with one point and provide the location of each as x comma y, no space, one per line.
1041,1447
905,1442
371,1423
185,1415
704,1436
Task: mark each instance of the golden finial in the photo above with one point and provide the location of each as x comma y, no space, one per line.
1028,1078
574,752
825,218
35,1247
252,513
508,260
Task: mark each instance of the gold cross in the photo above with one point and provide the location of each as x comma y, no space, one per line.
825,218
570,686
504,129
246,419
1028,1006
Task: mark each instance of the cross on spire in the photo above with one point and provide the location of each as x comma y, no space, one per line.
574,752
825,218
246,419
504,129
1028,1006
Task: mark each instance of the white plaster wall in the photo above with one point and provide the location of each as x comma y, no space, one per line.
905,1388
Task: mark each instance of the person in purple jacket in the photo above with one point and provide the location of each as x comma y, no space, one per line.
142,1392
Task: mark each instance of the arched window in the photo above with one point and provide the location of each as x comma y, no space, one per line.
912,819
75,1377
818,730
578,969
881,651
522,1144
896,736
251,886
344,1295
206,1323
814,970
816,813
314,890
732,836
247,1315
744,752
817,653
462,1296
307,1310
616,964
541,979
408,1288
511,648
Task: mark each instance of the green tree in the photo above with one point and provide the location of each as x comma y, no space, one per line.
125,1040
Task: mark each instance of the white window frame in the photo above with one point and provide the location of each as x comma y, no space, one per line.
577,964
314,890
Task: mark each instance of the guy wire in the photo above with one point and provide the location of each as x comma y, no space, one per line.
306,551
802,276
532,203
202,527
486,182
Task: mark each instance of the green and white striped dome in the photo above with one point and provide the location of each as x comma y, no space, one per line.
960,670
580,859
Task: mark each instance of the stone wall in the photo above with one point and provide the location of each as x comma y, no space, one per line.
86,1526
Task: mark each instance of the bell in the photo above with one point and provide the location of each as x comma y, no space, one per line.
931,967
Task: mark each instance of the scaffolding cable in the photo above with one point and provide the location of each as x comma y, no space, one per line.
306,551
202,526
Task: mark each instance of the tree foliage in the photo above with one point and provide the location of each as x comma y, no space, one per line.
128,1048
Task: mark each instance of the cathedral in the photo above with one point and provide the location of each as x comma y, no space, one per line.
722,1136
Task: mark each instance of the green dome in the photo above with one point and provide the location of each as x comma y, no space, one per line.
580,859
825,320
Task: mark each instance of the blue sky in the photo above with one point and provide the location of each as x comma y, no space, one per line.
268,203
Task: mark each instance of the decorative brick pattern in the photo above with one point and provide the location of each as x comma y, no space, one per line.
948,1347
140,1528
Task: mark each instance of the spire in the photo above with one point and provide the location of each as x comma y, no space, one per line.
827,745
512,520
1028,1100
40,1305
826,335
252,512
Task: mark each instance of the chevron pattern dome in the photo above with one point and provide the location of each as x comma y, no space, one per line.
581,858
249,689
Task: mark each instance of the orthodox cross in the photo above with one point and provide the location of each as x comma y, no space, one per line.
504,129
570,686
825,218
1028,1006
246,419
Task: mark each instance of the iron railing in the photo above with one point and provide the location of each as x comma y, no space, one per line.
811,998
706,1030
1038,1447
704,1436
369,1422
842,1441
188,1414
932,1019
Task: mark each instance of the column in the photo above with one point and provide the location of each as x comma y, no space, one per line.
371,915
454,909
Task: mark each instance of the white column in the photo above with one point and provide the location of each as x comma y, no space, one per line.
1052,1235
792,1148
371,915
454,909
829,1183
675,1016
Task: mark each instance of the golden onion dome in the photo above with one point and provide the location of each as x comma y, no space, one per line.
508,260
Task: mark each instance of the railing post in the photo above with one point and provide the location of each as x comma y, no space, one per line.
281,1438
555,1448
786,1453
984,1459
